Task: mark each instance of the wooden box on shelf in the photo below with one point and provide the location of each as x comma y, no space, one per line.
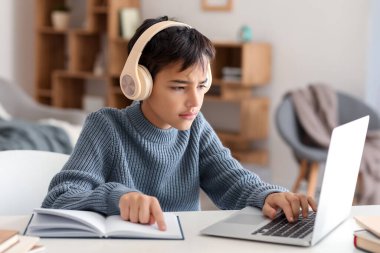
254,60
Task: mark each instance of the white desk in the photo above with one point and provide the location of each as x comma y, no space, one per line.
340,240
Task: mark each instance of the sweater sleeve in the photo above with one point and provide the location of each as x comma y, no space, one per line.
225,181
83,182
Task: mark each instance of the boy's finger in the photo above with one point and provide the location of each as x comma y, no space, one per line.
158,215
124,212
134,213
280,201
144,213
294,205
269,211
305,207
286,207
151,220
312,203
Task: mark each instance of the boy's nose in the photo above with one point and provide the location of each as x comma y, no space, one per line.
194,98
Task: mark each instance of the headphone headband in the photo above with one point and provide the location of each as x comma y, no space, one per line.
144,38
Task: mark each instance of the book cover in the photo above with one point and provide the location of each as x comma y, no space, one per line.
7,239
366,241
37,248
57,223
371,223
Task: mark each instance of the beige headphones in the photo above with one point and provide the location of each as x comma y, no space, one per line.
135,80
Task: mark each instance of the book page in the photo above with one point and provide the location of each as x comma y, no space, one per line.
117,227
367,236
58,220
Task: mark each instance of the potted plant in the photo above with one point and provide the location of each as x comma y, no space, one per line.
60,17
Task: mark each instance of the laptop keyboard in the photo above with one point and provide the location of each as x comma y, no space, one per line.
280,226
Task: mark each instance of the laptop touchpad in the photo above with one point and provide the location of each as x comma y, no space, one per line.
247,219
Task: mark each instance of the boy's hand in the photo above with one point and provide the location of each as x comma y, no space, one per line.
140,208
290,203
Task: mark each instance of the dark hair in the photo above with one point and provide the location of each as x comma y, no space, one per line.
173,44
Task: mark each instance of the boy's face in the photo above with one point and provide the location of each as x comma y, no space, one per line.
176,96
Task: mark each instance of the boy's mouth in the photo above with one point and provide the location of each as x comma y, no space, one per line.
188,115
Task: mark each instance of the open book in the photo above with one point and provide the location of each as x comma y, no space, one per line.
72,223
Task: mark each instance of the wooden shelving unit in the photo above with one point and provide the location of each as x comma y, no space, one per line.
254,61
66,59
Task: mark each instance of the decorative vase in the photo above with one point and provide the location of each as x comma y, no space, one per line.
60,19
246,34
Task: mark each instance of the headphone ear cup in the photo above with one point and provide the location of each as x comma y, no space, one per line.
146,82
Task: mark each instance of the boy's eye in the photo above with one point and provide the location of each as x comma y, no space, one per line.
202,86
178,88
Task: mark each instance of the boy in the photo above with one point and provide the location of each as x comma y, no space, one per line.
155,154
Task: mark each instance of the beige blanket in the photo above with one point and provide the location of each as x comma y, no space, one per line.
317,110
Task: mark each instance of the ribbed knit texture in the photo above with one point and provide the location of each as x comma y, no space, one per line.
120,151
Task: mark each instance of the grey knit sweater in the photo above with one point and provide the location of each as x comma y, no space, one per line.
120,151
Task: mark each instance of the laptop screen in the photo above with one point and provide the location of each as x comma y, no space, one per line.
340,176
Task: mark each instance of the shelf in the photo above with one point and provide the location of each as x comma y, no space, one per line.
100,9
229,92
117,90
236,84
83,32
117,55
44,93
232,137
119,40
78,75
52,30
242,150
221,82
211,98
256,156
254,60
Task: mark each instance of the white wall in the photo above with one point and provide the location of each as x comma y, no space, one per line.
17,42
6,38
24,43
373,82
312,41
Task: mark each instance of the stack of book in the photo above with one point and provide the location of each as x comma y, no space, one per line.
231,74
12,242
368,238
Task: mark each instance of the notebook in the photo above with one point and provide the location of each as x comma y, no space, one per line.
335,201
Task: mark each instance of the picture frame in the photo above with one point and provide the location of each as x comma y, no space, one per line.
217,5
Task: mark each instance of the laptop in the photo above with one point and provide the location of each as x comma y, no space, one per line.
337,192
